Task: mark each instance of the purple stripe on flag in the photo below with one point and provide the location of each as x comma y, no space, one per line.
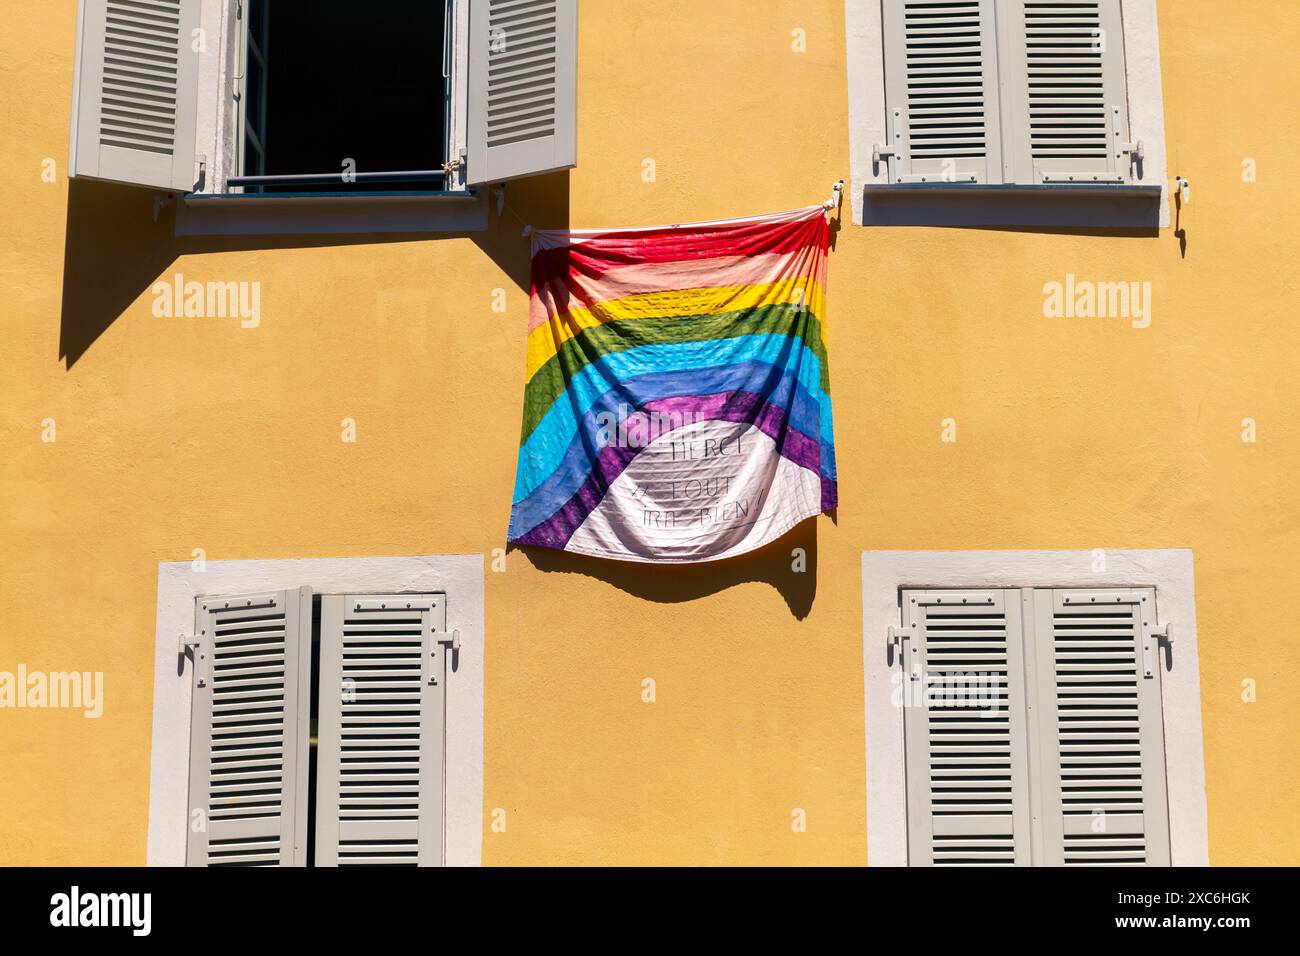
742,407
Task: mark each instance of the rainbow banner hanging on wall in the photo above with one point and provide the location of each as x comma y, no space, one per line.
678,402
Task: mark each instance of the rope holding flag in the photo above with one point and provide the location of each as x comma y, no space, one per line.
677,406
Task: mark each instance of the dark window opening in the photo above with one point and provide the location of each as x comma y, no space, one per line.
336,87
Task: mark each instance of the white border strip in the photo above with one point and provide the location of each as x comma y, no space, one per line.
865,70
1146,96
557,238
1168,571
460,576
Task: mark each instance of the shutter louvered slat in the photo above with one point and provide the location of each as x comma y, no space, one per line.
522,88
248,731
1069,112
383,677
1101,731
964,730
134,110
941,85
1087,752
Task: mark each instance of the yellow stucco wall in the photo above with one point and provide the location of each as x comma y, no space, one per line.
176,434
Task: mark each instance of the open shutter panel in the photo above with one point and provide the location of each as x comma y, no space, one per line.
523,71
379,784
941,91
1068,112
1100,726
135,92
964,729
248,730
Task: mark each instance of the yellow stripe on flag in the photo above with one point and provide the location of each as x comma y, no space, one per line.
547,339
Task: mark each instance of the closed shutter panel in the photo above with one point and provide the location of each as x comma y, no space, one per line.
941,90
523,71
1100,727
1068,112
964,729
379,784
135,92
248,730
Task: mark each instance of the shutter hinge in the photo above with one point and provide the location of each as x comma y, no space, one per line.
890,154
451,167
894,640
188,645
1136,154
451,639
1156,634
1135,151
895,636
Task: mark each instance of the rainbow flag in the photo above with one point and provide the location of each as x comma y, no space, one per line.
678,402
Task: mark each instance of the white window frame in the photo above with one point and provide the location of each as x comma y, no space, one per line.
866,81
219,134
180,583
244,42
221,137
1169,571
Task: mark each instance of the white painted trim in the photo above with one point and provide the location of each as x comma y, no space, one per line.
865,69
459,80
460,576
866,79
218,130
1168,571
1146,98
214,139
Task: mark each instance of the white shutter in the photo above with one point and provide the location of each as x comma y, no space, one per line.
1067,118
135,92
1100,731
379,782
248,730
941,91
523,73
964,728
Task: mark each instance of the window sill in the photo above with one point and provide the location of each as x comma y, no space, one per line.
300,213
1119,190
288,198
1131,207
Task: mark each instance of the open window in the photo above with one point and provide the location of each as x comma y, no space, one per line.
337,96
267,98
